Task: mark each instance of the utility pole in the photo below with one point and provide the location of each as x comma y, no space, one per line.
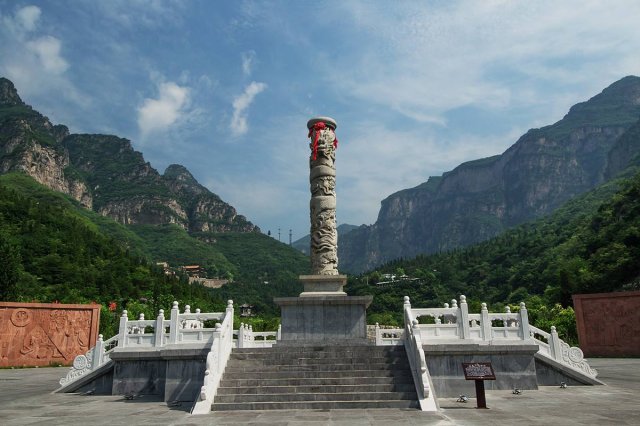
290,234
278,234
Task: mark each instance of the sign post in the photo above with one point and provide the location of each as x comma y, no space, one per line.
479,372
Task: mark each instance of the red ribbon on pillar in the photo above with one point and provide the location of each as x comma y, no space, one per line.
318,127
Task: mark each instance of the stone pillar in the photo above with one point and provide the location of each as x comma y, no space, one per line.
323,314
325,280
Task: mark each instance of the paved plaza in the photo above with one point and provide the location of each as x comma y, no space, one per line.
26,399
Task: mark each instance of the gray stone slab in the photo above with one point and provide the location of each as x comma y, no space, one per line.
26,398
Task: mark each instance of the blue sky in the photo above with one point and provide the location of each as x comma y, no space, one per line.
226,88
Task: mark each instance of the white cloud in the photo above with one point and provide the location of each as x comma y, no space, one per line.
241,103
34,61
159,114
28,17
423,59
248,59
47,49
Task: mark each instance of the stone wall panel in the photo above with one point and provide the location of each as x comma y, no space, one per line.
40,334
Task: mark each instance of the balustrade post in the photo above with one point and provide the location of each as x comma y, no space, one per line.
524,322
378,335
98,352
407,306
220,346
187,309
122,331
174,324
279,332
241,335
159,330
554,344
463,318
229,312
485,323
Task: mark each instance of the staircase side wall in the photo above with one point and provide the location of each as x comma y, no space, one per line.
169,374
514,367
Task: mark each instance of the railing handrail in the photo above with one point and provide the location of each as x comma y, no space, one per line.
515,326
417,361
131,333
216,362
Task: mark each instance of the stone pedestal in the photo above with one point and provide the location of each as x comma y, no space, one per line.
323,320
323,285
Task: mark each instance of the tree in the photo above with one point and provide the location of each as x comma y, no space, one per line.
10,267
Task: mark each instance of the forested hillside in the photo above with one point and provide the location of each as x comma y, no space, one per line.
53,249
50,252
590,245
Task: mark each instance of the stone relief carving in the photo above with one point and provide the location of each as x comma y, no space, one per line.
45,334
324,236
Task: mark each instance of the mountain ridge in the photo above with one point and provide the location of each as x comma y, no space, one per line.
105,173
479,199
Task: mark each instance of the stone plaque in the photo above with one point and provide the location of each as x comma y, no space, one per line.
478,371
39,334
608,323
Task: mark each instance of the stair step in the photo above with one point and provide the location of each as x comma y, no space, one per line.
315,381
303,389
361,360
346,396
314,405
275,354
314,374
232,369
323,351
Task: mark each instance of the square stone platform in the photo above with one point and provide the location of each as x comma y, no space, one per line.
323,319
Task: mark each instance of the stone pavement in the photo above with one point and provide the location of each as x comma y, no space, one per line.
26,399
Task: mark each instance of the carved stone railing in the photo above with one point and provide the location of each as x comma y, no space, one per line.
217,358
417,361
181,328
389,336
94,358
247,338
456,323
557,349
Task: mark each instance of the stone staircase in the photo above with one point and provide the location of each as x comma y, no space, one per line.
326,377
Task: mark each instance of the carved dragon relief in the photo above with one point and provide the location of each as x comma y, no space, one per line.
324,236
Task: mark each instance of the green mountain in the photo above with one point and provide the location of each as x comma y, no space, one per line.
105,174
52,249
102,183
480,199
589,245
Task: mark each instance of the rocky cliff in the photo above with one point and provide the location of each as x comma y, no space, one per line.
30,144
479,199
106,174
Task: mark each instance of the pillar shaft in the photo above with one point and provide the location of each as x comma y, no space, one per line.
322,179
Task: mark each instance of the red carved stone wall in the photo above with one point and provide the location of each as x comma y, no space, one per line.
37,334
608,323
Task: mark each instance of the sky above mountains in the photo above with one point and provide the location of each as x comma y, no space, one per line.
226,88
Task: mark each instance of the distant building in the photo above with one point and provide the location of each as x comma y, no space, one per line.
194,271
245,310
209,282
165,268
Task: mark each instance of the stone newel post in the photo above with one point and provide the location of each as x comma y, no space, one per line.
322,179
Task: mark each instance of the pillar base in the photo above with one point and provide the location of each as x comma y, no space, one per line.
323,285
323,319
